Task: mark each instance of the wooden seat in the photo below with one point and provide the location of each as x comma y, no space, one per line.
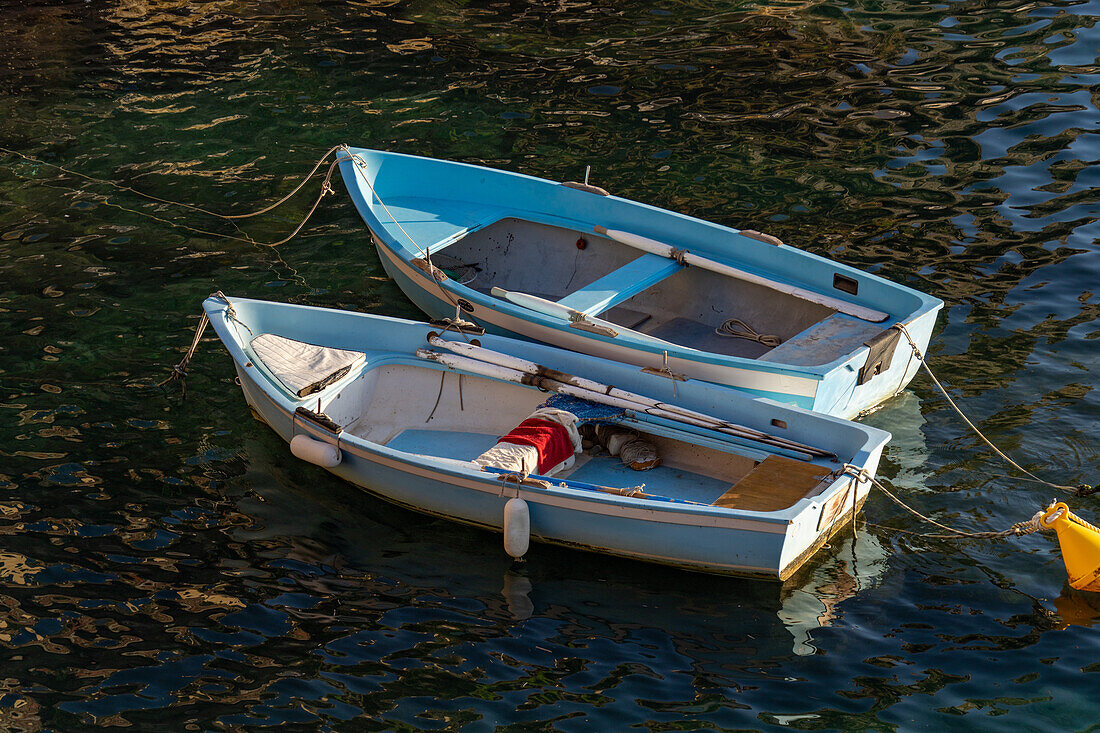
824,341
621,284
775,483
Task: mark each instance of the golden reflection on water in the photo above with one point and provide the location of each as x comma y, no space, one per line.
166,564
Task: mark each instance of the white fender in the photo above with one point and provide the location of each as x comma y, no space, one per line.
314,451
517,527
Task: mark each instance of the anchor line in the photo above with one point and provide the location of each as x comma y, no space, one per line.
326,188
1019,529
1080,490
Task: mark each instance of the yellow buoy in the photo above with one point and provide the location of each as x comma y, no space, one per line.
1080,542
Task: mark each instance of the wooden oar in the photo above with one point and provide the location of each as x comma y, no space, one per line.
497,371
556,310
640,401
666,250
633,493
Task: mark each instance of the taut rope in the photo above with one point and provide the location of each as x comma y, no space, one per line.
1081,490
1019,529
426,253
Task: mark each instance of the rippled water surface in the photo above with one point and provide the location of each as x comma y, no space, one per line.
167,565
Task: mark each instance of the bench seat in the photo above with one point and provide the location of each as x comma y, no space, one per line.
774,484
621,284
827,340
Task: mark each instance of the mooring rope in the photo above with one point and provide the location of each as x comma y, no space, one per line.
326,188
151,197
1019,529
426,253
179,371
1080,490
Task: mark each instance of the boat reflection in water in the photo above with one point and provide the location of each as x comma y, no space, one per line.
811,599
335,525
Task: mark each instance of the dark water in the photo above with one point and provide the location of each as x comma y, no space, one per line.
166,565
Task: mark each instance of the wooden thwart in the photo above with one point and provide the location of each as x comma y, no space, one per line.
774,484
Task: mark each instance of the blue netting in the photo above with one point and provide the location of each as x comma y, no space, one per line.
585,410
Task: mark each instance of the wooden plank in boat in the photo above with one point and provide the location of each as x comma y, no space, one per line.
824,341
621,284
774,484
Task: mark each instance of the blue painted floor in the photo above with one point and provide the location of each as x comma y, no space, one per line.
460,446
674,483
603,470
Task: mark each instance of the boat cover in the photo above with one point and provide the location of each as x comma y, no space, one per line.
304,368
542,444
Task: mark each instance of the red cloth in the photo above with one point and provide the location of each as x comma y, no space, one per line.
549,438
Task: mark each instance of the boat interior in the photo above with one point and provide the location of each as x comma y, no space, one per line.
422,410
655,297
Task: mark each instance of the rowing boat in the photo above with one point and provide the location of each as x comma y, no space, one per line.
733,484
569,265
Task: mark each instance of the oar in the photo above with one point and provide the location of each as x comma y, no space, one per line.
556,310
633,493
666,250
647,404
506,374
495,371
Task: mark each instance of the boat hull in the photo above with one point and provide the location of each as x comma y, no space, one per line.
771,545
467,201
766,550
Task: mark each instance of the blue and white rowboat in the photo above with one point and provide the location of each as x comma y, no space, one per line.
747,486
571,266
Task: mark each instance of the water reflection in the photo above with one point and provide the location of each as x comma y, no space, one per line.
811,600
168,565
517,594
1077,607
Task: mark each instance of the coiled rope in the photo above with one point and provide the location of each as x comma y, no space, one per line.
1080,490
736,328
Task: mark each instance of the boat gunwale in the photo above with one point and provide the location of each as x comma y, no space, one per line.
927,301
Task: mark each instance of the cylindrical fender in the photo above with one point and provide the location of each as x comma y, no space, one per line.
315,451
517,527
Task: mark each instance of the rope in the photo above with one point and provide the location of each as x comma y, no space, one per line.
1081,490
358,160
179,371
521,480
326,188
1019,529
738,329
121,187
